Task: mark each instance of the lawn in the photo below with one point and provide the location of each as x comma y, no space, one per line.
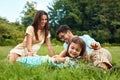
83,71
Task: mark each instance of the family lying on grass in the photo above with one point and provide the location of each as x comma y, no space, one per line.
76,48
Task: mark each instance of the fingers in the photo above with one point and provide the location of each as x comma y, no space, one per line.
29,54
95,45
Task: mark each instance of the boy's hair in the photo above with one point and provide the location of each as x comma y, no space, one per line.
82,44
63,29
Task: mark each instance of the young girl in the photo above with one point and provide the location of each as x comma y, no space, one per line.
75,51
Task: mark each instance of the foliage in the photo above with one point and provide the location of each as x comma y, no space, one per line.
88,15
117,35
98,18
28,12
9,33
13,33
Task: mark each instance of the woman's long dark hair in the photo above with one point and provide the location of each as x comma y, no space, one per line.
82,44
36,21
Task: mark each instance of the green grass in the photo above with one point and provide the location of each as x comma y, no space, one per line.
83,71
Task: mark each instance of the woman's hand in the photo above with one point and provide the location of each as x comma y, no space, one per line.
29,53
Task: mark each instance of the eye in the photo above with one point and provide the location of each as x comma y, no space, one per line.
72,47
62,37
77,50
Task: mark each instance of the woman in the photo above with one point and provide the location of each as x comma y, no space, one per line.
35,36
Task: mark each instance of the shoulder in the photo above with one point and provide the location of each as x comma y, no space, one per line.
30,27
86,35
30,30
65,44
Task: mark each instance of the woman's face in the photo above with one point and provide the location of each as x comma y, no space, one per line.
74,50
43,21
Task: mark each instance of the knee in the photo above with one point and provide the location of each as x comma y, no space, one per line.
12,57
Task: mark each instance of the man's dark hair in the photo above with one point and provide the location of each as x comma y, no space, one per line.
63,29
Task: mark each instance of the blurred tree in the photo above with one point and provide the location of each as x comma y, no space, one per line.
9,32
28,13
87,15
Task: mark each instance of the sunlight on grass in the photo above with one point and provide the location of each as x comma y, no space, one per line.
82,71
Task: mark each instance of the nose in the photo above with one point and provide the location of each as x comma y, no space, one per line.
44,21
74,51
63,40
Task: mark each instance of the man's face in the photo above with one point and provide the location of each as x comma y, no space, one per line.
64,36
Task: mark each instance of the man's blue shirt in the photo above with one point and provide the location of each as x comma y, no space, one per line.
87,39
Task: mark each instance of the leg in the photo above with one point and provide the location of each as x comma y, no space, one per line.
13,57
101,58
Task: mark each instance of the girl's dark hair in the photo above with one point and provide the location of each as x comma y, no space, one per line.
82,44
35,23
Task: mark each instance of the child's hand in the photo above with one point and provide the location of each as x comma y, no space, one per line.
55,59
55,56
95,45
58,59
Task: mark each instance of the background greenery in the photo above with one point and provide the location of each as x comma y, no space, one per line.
84,71
98,18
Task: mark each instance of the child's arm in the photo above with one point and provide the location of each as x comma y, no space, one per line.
63,53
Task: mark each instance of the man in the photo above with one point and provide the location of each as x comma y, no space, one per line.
65,34
100,57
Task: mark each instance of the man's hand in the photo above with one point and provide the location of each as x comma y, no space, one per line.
95,45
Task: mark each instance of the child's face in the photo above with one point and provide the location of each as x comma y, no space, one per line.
74,50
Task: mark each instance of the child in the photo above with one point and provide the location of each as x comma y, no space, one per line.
76,50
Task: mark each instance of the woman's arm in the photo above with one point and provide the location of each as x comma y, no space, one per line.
29,45
50,48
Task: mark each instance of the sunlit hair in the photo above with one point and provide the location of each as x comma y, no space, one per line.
81,43
63,29
36,20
